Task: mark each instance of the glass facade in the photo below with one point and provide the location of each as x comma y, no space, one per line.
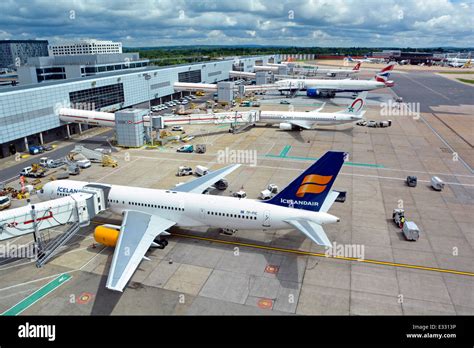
99,97
14,52
27,110
193,76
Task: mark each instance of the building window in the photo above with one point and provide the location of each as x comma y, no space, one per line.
190,76
99,96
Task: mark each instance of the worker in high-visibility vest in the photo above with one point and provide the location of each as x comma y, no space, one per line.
402,221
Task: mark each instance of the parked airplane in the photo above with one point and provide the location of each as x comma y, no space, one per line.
459,62
366,60
148,213
329,88
293,120
329,72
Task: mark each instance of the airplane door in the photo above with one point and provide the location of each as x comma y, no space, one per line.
202,214
266,219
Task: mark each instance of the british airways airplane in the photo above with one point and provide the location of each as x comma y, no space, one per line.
148,213
329,88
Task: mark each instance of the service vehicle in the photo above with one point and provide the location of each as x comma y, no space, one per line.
221,185
5,202
411,180
34,150
239,194
85,163
437,184
186,148
201,170
411,231
200,148
34,171
184,170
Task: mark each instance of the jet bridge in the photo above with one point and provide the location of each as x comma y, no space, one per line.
98,119
74,211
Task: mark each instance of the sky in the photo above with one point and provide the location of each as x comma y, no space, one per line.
330,23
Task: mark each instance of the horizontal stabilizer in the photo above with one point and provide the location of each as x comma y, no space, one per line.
312,230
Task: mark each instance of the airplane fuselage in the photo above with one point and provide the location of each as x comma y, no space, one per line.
331,85
321,118
194,210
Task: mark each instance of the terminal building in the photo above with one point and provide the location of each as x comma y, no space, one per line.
29,113
40,69
85,47
14,53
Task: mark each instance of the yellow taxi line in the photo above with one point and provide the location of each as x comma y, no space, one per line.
308,253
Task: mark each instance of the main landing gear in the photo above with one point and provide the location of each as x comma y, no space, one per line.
161,243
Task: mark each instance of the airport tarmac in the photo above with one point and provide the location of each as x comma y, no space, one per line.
281,272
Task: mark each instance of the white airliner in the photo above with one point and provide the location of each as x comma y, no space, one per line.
366,60
459,62
295,120
148,213
326,87
329,72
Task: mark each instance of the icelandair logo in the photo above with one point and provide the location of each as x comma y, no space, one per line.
292,202
314,184
67,190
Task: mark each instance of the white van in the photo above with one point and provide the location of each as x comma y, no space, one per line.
201,170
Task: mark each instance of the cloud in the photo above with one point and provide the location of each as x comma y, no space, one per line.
284,22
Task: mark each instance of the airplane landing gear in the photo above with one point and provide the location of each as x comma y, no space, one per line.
162,243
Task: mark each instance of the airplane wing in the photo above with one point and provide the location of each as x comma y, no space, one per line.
200,184
312,230
137,233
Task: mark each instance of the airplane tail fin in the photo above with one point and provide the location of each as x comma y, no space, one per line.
310,190
384,74
357,67
468,64
357,107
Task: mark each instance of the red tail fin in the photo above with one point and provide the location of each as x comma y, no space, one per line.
389,67
357,67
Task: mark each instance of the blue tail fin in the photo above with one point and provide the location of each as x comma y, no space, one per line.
311,188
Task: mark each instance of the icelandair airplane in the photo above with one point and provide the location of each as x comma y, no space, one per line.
329,88
148,213
295,120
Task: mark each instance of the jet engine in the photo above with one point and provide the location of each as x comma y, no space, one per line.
331,74
312,92
107,235
286,126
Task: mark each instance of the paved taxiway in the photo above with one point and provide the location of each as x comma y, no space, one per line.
204,272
